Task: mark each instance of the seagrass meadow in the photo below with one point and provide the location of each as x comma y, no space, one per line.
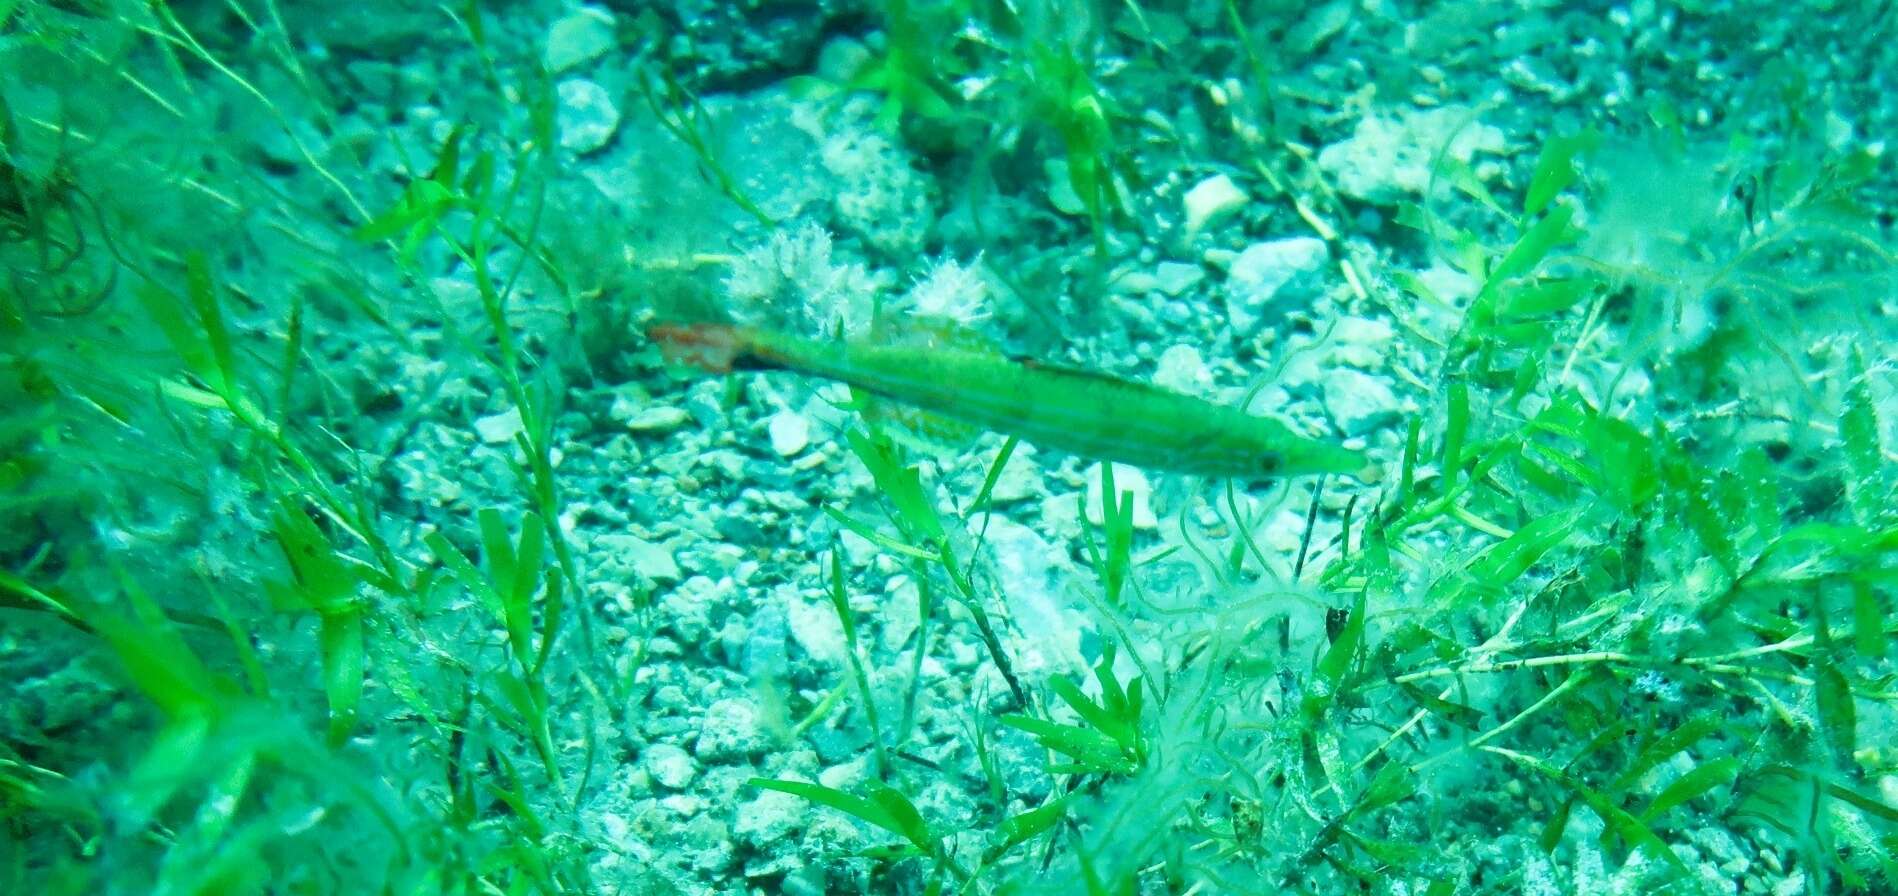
668,447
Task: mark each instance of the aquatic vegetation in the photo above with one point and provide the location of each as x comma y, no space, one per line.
355,535
994,79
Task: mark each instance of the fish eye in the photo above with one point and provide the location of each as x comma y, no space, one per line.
1269,462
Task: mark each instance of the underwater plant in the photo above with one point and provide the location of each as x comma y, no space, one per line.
357,533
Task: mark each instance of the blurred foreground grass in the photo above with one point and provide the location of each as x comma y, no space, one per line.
1631,577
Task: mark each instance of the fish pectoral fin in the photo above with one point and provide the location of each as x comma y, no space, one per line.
916,428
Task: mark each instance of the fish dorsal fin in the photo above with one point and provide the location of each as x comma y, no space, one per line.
944,334
1079,372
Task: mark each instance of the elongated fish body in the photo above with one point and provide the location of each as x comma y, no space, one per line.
1079,412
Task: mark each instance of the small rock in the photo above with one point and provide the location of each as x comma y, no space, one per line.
683,805
790,433
654,561
858,550
496,429
842,58
1175,277
1282,533
669,698
1181,369
947,803
847,776
816,629
738,527
1791,886
766,821
1135,283
687,609
670,766
1359,401
1060,513
729,731
1361,342
1020,479
728,464
1390,155
1447,284
765,652
626,402
1177,314
901,612
1210,200
587,116
1275,272
658,419
1127,480
1039,577
579,37
1536,75
1320,24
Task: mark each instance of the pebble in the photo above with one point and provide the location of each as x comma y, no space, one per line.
846,776
1182,369
654,561
790,433
671,766
577,38
1282,533
587,116
1210,200
1447,284
1039,578
1020,479
1175,277
766,820
901,612
1359,401
842,58
1134,283
496,429
1283,271
658,419
1389,156
726,463
669,697
764,653
730,731
1127,480
815,628
684,805
1362,342
1061,512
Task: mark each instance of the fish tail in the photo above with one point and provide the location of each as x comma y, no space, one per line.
715,348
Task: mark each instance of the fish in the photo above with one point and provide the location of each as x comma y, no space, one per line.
1076,411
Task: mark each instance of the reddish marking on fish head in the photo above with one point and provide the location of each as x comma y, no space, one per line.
709,347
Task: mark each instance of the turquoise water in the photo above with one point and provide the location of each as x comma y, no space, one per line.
404,487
